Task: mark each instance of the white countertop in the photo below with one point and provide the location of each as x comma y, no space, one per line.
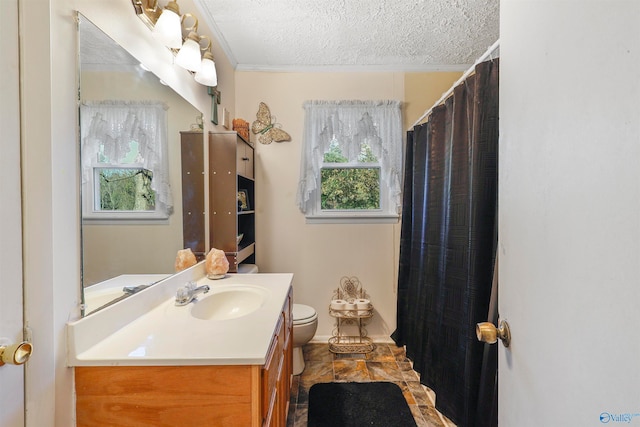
96,296
166,334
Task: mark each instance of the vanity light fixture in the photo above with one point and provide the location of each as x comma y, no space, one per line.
207,75
147,11
166,25
189,55
168,28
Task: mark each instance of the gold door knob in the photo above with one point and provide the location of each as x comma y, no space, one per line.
16,354
487,332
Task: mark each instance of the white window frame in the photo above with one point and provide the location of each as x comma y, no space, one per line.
91,193
121,122
320,131
345,216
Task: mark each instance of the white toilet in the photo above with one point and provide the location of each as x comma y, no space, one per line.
305,323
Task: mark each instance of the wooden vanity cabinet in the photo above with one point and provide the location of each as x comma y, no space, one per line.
277,373
191,395
230,168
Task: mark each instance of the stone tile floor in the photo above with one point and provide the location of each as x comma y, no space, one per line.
386,363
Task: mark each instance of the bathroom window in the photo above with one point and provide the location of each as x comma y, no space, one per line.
124,161
123,188
347,186
351,162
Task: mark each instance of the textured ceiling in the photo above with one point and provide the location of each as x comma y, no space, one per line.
400,35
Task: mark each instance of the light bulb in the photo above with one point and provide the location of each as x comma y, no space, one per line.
207,75
189,55
168,28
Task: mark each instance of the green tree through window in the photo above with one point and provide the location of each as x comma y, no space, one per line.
126,189
349,186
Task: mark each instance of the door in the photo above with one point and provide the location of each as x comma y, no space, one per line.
569,201
11,307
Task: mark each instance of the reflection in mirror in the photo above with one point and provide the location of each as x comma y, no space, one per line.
131,194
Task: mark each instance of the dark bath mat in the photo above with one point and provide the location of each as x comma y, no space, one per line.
358,405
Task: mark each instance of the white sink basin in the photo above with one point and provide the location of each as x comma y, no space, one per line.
224,302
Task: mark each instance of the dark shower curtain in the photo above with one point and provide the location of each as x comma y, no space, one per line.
448,246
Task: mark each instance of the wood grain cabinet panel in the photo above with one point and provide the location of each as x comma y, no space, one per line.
159,396
230,168
230,173
193,208
191,396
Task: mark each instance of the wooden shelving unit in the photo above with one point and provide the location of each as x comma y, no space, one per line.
230,171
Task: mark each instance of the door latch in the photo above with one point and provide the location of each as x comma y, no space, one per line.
15,354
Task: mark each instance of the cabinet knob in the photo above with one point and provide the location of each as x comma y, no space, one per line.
245,159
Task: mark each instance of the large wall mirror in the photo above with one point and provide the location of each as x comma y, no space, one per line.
121,256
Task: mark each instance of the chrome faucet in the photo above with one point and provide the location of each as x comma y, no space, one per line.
130,290
189,292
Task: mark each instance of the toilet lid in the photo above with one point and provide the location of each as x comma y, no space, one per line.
303,313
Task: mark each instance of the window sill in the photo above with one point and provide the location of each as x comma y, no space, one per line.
125,219
352,219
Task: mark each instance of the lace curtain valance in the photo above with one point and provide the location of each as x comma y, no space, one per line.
109,127
351,123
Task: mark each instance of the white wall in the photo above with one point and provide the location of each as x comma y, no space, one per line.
51,256
569,211
11,327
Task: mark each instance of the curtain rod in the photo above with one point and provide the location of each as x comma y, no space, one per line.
466,74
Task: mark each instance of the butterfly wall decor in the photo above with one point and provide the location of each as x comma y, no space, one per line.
266,130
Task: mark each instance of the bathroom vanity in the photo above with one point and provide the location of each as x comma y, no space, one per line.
223,360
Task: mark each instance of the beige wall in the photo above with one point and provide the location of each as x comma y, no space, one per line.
422,90
320,254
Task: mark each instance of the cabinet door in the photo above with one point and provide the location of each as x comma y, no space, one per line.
223,199
269,382
244,159
192,159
